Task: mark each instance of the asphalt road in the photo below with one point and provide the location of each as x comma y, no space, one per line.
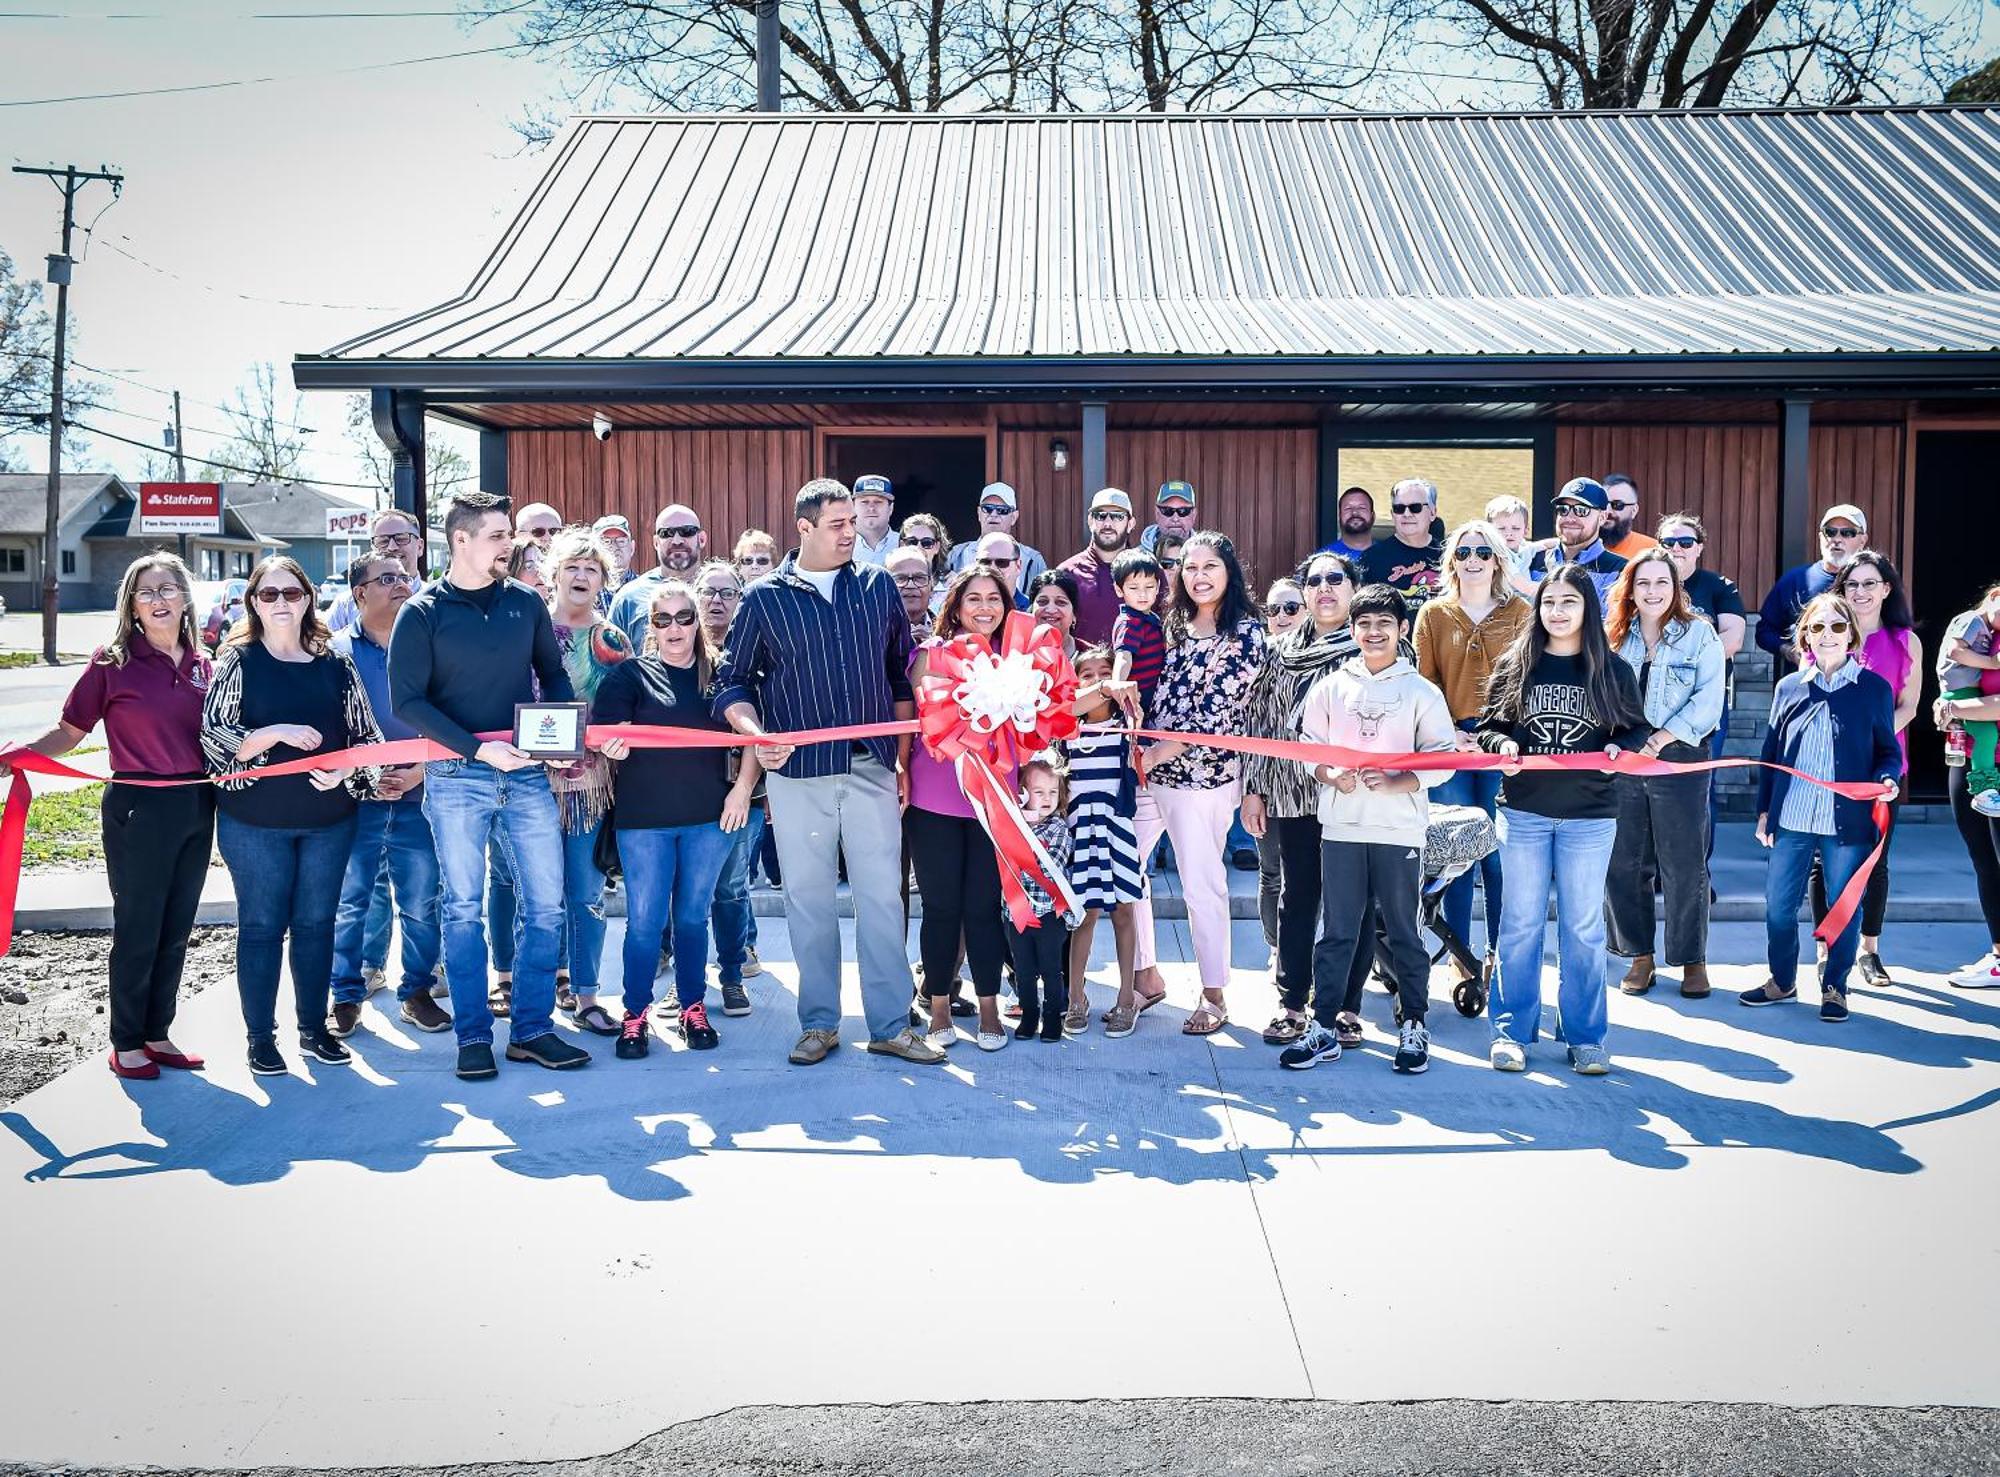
1201,1438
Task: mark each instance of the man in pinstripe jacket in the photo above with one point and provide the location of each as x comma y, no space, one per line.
823,642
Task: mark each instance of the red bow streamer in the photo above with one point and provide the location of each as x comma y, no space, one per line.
982,709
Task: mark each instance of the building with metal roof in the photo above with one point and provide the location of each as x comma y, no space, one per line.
1753,313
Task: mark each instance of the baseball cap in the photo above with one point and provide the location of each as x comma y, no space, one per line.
872,486
1176,489
1110,497
612,523
1586,490
1848,511
1000,492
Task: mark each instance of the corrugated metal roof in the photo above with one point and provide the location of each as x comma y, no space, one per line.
861,236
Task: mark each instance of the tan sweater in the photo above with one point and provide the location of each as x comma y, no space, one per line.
1459,656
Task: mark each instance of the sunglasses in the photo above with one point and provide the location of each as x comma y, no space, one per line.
1680,541
1170,564
1625,507
1330,577
1175,512
1004,563
1105,515
1472,551
1409,507
996,509
146,595
533,533
1284,607
390,540
271,595
664,618
1824,628
1826,532
1573,510
679,530
755,559
920,543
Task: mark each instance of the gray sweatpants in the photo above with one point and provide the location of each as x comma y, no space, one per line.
816,821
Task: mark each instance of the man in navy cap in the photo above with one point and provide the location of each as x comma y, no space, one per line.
1579,510
874,520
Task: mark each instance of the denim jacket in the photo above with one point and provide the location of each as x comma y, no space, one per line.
1685,691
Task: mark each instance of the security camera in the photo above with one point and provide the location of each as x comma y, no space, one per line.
600,427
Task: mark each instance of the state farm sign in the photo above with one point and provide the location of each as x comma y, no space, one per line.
180,507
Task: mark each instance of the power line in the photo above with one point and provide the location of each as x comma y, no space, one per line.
475,16
280,302
263,473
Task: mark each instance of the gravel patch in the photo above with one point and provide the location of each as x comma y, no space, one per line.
1201,1438
53,1000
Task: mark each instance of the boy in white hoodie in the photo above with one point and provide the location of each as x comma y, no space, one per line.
1373,823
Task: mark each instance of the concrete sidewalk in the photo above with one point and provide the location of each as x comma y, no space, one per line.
380,1265
1932,884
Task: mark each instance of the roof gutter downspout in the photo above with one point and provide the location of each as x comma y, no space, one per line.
399,421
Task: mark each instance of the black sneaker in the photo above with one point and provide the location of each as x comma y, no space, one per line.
323,1046
549,1051
695,1029
475,1062
1030,1024
634,1039
264,1058
1319,1044
735,999
1833,1006
1413,1051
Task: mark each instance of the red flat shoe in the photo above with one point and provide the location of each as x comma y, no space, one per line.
144,1073
174,1059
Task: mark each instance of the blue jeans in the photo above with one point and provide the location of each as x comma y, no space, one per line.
1481,788
391,835
734,922
670,872
1574,856
470,804
583,902
287,883
375,933
1785,887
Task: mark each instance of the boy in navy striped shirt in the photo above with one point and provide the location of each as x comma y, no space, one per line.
1138,636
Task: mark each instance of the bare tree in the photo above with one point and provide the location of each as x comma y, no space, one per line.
265,435
27,348
446,469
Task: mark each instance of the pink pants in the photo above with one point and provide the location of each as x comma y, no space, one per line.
1198,823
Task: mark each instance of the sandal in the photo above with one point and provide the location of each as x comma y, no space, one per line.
1076,1020
1144,1002
500,999
565,996
1207,1018
595,1019
1284,1029
1347,1028
1121,1020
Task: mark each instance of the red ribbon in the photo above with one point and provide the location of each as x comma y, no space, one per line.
978,709
23,762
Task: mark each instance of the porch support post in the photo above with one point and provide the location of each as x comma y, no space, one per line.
493,462
1326,522
399,421
1794,489
1093,448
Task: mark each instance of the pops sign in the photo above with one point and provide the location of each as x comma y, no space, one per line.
180,507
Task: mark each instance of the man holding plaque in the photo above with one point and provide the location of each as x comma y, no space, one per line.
823,642
465,654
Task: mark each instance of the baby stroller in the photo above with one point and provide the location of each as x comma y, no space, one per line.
1459,839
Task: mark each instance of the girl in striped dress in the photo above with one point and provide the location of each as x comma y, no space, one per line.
1104,864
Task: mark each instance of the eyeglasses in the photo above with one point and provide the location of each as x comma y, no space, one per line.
664,618
1284,607
271,595
1472,551
1866,587
757,561
393,577
1680,541
724,593
1409,507
386,541
146,595
911,581
679,530
996,509
1329,577
1823,628
537,534
920,543
1827,531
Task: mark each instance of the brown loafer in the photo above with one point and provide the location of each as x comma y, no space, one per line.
343,1018
1694,980
421,1011
1639,978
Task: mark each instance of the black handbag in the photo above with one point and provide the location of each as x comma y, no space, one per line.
604,851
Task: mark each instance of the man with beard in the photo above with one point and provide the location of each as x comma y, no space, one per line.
464,652
1357,524
1843,533
1110,520
1621,514
1579,510
680,545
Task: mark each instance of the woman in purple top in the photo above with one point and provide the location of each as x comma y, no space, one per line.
949,851
1891,650
146,687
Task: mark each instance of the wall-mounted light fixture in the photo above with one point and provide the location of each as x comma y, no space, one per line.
1059,455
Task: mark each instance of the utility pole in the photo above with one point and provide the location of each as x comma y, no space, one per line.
69,179
180,465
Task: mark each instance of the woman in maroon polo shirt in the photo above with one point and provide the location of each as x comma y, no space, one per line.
146,686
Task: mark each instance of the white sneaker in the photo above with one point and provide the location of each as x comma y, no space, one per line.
1987,803
1506,1055
751,968
1590,1061
1981,974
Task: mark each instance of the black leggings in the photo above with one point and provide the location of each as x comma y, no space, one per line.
156,848
959,880
1981,836
1298,905
1041,960
1875,901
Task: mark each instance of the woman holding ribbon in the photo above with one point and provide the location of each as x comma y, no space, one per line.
280,694
1889,648
1663,818
1833,720
578,565
956,866
146,687
1215,649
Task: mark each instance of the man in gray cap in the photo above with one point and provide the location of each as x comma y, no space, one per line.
874,520
999,511
1843,533
1110,520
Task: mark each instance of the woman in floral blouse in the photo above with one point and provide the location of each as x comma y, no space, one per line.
1215,649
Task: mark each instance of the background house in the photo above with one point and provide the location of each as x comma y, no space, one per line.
295,514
